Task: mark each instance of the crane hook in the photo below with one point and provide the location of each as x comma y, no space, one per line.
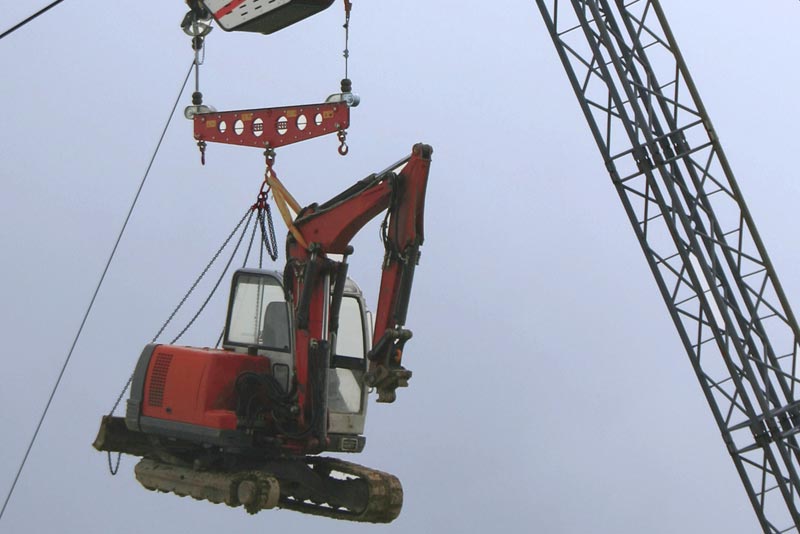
201,144
343,148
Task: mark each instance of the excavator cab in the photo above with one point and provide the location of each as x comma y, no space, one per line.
246,395
259,323
262,16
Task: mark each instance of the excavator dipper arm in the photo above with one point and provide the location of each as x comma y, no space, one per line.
328,229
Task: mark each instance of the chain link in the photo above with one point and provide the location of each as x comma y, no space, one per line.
219,280
268,239
247,217
269,243
268,233
114,469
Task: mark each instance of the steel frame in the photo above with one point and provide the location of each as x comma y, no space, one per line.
272,127
697,235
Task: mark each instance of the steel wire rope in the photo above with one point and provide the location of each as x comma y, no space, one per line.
94,295
261,252
24,22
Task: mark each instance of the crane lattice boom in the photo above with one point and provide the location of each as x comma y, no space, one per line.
697,235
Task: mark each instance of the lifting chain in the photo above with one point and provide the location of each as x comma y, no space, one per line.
263,211
114,467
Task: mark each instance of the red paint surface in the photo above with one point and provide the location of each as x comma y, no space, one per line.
200,385
228,8
333,117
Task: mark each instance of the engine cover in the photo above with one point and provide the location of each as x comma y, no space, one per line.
189,393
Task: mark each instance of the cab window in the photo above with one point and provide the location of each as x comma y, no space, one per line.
258,313
344,384
350,340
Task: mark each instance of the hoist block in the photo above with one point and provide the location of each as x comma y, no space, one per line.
272,127
262,16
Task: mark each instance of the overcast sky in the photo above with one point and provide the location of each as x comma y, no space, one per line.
550,391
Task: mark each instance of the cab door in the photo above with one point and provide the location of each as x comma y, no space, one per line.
347,395
259,321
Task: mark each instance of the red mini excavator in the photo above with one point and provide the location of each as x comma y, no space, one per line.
244,425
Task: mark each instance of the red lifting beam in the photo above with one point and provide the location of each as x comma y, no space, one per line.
272,127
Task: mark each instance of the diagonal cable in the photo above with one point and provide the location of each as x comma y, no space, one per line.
24,22
96,291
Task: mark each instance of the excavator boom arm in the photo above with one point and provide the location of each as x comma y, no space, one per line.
328,229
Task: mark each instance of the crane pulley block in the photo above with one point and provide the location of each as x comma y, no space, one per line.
273,127
262,16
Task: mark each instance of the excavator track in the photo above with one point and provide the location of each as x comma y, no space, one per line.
383,504
325,487
252,489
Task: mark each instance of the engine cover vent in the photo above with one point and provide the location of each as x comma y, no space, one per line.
158,380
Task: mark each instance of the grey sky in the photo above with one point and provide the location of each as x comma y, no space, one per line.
550,392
